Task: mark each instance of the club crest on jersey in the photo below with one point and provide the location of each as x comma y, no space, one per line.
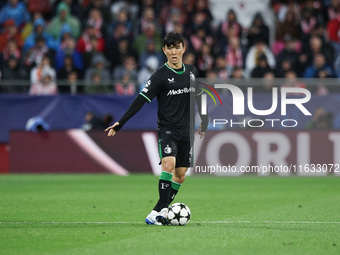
172,80
167,149
192,76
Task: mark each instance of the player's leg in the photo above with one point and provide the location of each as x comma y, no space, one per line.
165,182
183,162
177,180
167,153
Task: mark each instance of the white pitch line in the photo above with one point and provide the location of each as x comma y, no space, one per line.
197,222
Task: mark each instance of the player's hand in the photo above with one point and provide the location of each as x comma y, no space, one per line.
200,132
111,129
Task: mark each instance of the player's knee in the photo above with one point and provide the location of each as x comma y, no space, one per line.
168,167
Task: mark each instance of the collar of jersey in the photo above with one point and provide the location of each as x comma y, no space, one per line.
180,72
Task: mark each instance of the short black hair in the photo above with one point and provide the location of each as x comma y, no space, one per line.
173,38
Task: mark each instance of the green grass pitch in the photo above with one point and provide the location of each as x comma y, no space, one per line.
104,214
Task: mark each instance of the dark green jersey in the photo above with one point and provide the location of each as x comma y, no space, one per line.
172,89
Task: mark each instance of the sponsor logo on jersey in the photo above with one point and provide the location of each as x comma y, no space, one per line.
145,89
167,149
174,92
172,80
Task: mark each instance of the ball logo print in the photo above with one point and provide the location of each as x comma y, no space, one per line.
179,214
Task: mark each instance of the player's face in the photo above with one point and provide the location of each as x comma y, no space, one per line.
174,54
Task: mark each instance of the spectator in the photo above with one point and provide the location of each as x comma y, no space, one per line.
35,54
237,73
268,83
121,20
262,67
46,85
205,59
221,67
174,18
89,55
72,83
10,33
234,54
69,49
28,28
36,72
201,6
11,49
230,22
63,17
199,38
333,32
292,81
150,52
97,84
126,86
333,10
98,66
189,58
289,6
148,17
174,4
282,68
290,54
151,65
13,71
129,5
84,42
315,46
68,68
148,34
72,4
113,38
252,58
285,31
14,10
258,31
308,22
319,68
99,5
96,20
200,22
123,50
129,66
39,31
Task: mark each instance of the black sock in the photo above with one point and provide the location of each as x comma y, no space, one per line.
173,193
164,189
174,189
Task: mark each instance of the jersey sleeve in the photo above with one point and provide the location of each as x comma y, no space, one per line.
152,87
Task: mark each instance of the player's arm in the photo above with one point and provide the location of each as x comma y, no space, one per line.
151,89
204,118
134,107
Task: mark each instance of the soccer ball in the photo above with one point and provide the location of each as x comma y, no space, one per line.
179,214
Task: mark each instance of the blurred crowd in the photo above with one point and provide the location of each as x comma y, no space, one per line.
114,46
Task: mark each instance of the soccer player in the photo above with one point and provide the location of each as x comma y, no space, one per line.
171,84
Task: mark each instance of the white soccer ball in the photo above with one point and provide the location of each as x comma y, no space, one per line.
179,214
